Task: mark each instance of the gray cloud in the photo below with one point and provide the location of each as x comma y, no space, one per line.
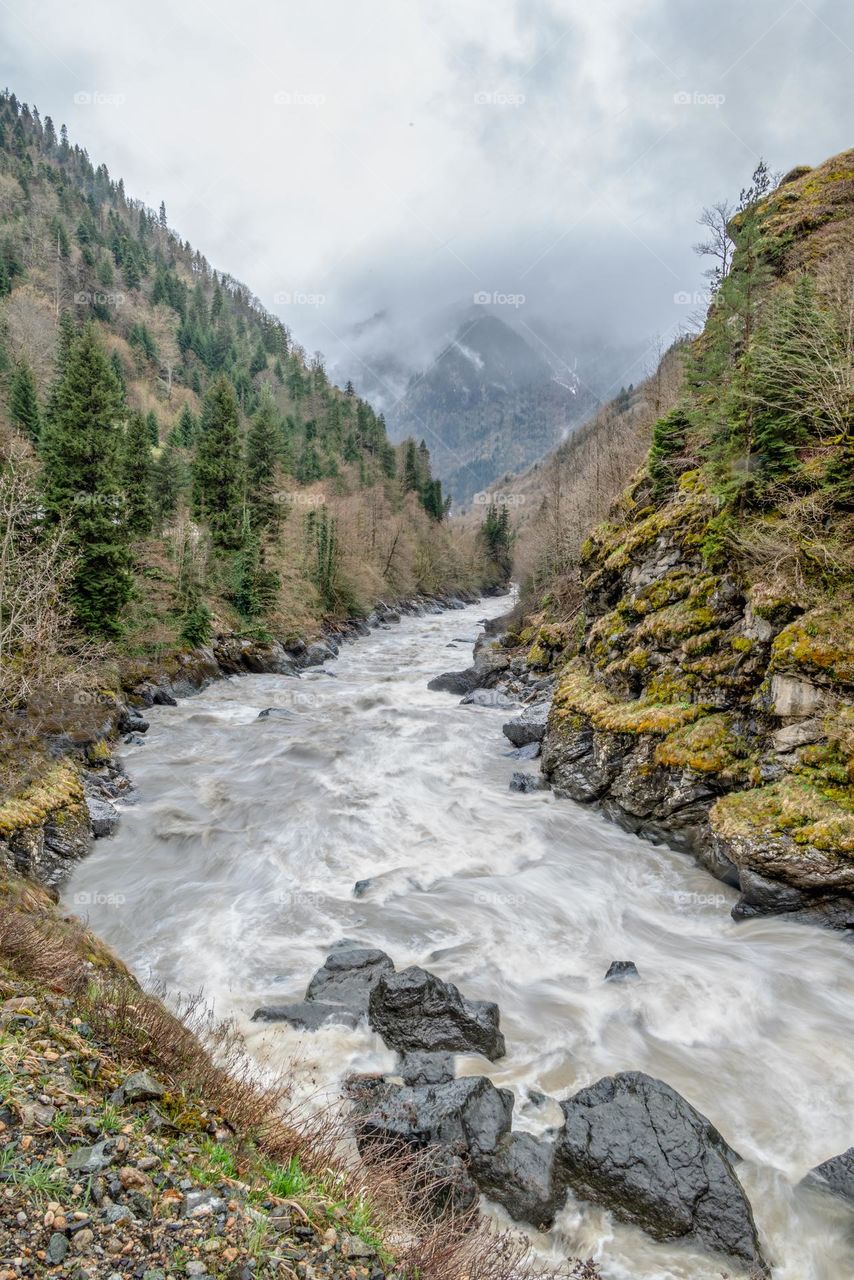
397,159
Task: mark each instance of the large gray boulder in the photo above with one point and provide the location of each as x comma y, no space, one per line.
348,976
529,727
519,1175
633,1144
470,1117
416,1010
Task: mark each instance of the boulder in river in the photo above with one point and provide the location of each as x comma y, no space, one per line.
636,1146
469,1116
455,681
418,1068
529,727
416,1010
307,1015
103,816
835,1175
348,976
519,1175
526,782
620,969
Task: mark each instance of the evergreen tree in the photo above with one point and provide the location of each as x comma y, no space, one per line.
166,484
136,472
498,539
254,586
410,468
217,469
668,441
153,428
24,402
259,359
81,443
261,453
119,372
183,433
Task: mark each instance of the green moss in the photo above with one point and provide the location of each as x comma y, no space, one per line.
819,642
709,745
789,807
577,694
741,644
60,790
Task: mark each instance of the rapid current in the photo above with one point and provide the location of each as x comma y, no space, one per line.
234,870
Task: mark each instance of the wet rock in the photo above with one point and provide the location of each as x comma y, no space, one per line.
633,1144
761,896
416,1010
308,1015
448,1187
620,969
418,1068
57,1249
582,764
528,727
102,815
316,654
461,682
131,721
468,1116
526,782
348,976
277,713
520,1176
531,751
835,1175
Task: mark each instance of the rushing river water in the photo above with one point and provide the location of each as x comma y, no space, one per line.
234,871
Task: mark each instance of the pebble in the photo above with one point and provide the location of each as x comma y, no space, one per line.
81,1242
57,1249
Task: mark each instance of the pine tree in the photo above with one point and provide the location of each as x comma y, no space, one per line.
183,434
261,463
166,484
410,468
254,586
136,472
217,469
81,443
119,372
668,440
153,428
259,359
24,402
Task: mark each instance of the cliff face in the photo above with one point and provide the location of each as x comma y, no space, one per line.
708,700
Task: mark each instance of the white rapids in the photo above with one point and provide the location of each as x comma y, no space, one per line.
234,872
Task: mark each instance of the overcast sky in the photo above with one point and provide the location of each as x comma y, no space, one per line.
397,157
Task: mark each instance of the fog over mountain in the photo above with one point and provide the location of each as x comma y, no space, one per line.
371,172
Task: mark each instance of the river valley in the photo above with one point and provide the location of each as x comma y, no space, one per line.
234,870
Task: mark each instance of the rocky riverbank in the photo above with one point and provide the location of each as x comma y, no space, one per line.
46,828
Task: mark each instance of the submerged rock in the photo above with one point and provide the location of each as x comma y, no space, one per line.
835,1175
307,1015
620,969
526,782
416,1010
634,1145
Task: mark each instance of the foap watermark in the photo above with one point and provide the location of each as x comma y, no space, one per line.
498,98
91,698
489,899
299,498
699,298
98,298
299,898
298,298
92,500
695,99
97,898
94,98
484,498
685,898
298,98
483,298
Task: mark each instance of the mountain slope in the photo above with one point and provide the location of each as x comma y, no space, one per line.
489,404
703,646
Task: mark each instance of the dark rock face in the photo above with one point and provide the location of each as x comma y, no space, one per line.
461,682
416,1010
528,727
470,1117
835,1175
426,1068
618,970
520,1176
348,976
526,782
636,1146
308,1015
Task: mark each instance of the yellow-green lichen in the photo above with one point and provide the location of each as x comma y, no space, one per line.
710,745
58,790
819,642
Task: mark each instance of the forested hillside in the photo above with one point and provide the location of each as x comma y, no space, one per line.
174,465
702,634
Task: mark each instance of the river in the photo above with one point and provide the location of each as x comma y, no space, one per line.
234,871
